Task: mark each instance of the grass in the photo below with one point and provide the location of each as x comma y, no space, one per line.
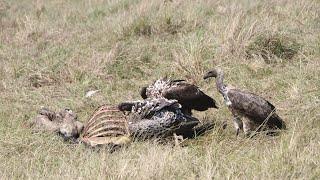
272,46
53,52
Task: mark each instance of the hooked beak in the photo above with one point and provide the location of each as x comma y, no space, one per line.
125,106
206,76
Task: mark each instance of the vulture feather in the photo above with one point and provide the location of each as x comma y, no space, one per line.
160,117
258,113
188,95
64,123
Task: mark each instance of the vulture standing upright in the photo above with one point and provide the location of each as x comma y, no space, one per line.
258,113
188,95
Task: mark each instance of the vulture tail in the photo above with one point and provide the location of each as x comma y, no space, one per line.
276,122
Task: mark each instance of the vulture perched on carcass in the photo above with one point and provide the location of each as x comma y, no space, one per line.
149,118
158,117
188,95
258,113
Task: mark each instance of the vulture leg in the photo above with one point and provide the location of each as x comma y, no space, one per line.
248,126
237,124
177,139
187,111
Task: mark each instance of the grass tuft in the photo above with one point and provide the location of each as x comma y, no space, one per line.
271,46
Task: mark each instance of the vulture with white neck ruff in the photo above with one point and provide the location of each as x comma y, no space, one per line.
258,113
188,95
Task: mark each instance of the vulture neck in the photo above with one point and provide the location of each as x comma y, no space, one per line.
219,83
222,88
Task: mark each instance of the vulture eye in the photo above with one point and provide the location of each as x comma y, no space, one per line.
68,110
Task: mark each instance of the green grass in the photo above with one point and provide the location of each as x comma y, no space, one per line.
53,52
273,46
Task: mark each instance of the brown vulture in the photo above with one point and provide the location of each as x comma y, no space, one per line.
188,95
150,118
258,113
65,123
160,117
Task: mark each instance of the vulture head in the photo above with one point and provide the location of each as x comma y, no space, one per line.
70,128
214,73
126,106
65,123
143,93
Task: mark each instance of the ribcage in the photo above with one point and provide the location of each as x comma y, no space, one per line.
106,126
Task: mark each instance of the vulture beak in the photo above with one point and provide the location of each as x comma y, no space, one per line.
206,76
209,74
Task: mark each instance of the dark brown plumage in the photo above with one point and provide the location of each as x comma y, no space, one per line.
258,113
160,117
188,95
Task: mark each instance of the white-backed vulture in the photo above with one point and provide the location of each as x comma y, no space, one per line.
188,95
258,113
157,117
160,117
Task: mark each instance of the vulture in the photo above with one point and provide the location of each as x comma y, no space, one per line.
150,118
161,117
188,95
65,123
157,117
257,113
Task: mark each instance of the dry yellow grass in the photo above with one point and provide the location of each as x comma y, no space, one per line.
53,52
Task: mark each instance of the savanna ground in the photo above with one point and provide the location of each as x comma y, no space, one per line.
53,52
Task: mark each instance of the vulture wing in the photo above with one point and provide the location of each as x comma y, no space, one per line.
189,96
177,80
143,91
255,108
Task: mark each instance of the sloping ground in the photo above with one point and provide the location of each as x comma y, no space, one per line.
53,52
